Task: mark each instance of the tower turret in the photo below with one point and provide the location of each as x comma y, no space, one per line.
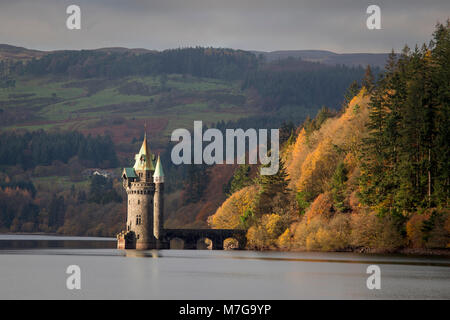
158,209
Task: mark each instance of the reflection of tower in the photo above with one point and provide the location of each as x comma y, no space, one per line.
145,206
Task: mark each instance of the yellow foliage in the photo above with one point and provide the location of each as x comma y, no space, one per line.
323,234
311,242
266,233
284,241
273,224
256,238
312,160
317,169
228,215
299,152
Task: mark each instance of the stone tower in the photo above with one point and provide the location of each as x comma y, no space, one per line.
144,185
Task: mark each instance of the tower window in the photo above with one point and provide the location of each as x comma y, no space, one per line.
139,201
138,219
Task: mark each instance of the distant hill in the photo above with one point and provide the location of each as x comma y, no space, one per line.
8,52
328,57
123,50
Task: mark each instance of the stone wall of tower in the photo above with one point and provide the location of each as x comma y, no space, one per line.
140,213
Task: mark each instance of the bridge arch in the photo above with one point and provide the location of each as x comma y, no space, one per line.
204,243
176,243
231,243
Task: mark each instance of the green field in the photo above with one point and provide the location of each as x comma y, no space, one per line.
58,182
68,104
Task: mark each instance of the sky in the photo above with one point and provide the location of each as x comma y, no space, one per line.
263,25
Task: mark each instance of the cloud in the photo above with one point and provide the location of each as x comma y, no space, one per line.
247,24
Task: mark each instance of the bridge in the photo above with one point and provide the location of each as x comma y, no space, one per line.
191,237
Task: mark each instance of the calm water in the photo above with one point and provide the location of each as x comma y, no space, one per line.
34,267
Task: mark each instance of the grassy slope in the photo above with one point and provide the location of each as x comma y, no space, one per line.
81,104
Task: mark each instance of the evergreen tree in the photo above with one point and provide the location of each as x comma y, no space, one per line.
368,80
441,83
405,159
338,187
351,92
272,187
241,178
56,212
195,184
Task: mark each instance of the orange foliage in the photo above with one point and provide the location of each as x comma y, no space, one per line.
296,156
322,206
414,230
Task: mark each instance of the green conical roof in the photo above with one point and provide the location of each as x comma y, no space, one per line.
158,170
144,157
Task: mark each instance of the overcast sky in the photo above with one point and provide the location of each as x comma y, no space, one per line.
266,25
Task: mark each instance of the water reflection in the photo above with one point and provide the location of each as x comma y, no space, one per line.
34,267
47,244
142,254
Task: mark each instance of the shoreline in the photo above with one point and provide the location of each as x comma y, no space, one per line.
438,252
443,252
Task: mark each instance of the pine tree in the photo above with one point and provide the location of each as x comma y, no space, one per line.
351,92
441,84
338,187
241,178
272,187
380,168
369,79
405,160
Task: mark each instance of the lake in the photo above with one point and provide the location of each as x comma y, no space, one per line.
34,267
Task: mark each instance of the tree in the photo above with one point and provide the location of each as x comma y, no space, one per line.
338,187
351,92
272,188
101,190
56,212
241,178
368,80
405,159
195,183
286,131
